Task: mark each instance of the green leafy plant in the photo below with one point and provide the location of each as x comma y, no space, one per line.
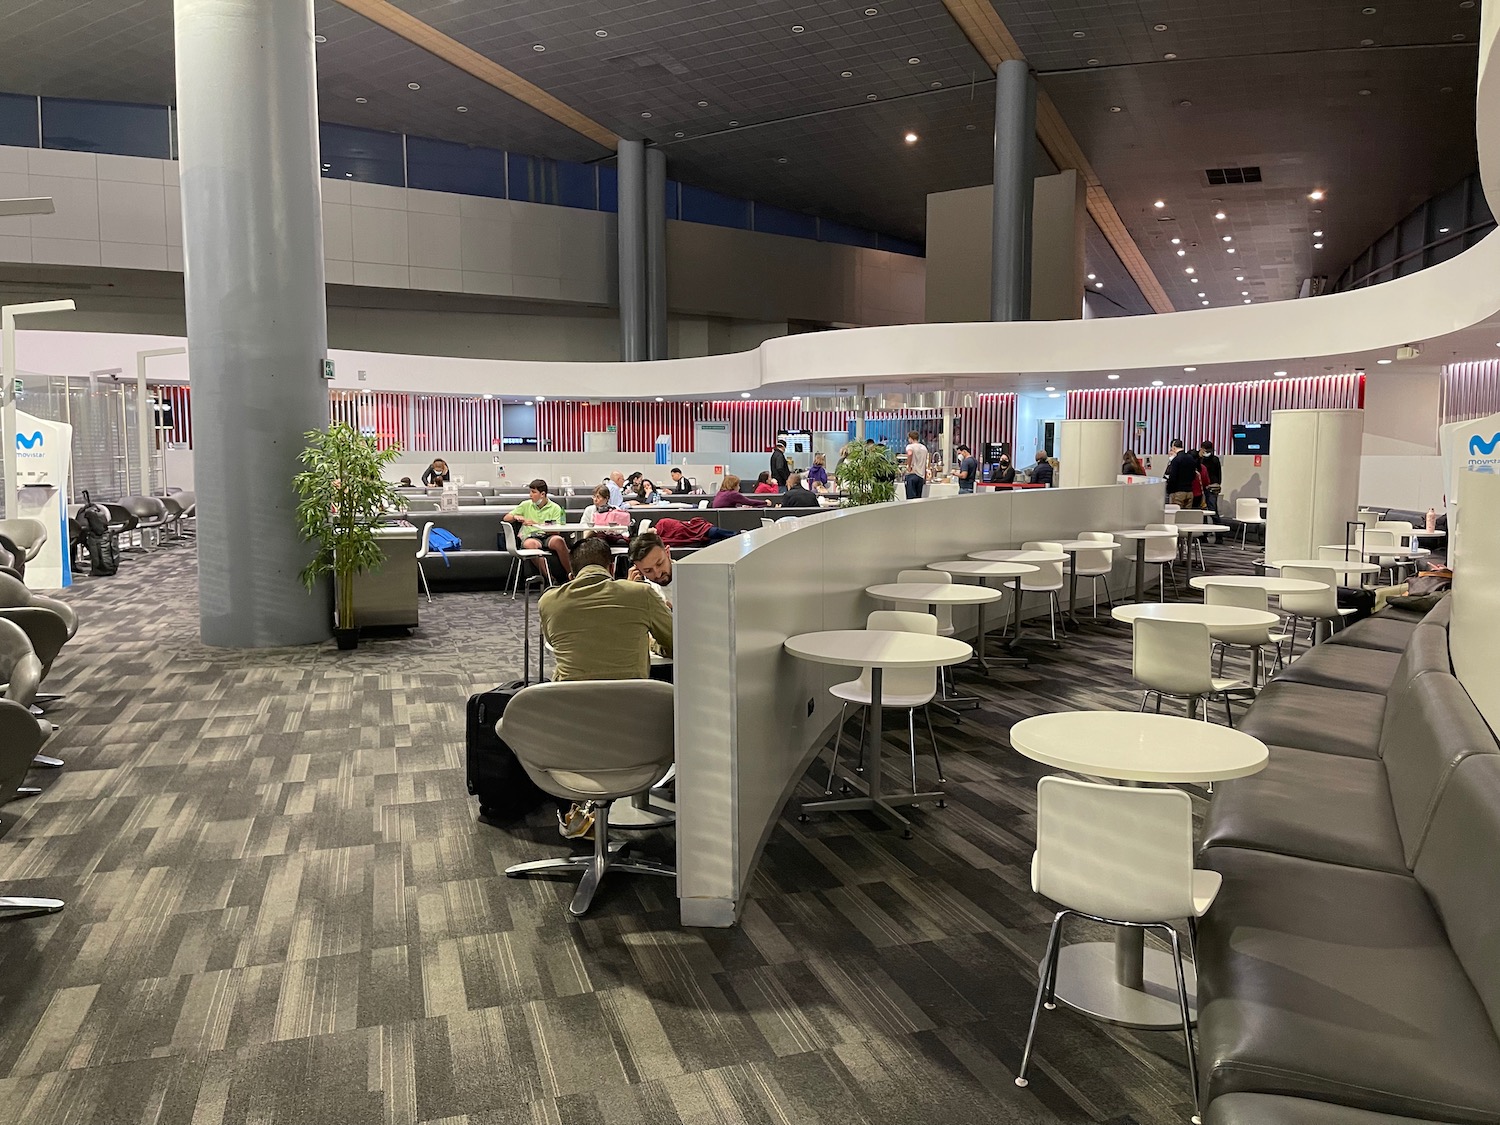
342,495
866,475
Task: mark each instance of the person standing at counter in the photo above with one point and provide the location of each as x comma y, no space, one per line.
1005,471
437,474
780,469
1130,465
729,495
968,469
916,465
1179,476
1215,468
1041,472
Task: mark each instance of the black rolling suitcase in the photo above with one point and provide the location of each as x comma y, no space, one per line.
505,790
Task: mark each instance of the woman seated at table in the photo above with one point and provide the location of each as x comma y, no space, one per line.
764,485
1131,466
729,495
817,476
533,515
612,524
646,494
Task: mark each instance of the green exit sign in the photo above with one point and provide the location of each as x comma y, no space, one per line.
327,369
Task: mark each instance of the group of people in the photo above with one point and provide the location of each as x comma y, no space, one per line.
1195,478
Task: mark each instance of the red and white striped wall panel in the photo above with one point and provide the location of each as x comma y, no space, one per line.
1470,390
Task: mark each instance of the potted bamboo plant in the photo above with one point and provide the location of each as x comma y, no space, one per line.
342,494
866,475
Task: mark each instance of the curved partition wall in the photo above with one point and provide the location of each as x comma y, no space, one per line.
1089,451
1314,491
749,716
1475,631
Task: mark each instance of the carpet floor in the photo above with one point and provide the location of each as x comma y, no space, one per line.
282,909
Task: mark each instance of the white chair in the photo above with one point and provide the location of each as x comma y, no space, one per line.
901,689
1253,637
1124,857
519,554
702,504
1048,580
944,613
1096,564
1190,515
1175,658
422,553
1161,552
643,527
1317,608
1247,514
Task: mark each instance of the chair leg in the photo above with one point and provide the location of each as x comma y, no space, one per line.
1146,698
838,742
426,589
911,739
1228,714
1044,978
937,759
594,873
864,719
1187,1019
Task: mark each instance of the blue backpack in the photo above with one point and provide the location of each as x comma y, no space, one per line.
443,541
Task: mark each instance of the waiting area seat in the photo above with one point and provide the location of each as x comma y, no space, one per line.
1349,972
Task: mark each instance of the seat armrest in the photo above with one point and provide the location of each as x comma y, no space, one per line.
61,608
45,629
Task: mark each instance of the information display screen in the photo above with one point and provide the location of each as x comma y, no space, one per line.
1251,438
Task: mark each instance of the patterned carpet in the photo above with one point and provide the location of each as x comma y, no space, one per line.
281,909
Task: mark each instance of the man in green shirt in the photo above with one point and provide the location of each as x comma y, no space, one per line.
533,515
598,627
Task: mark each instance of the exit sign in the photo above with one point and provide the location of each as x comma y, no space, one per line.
326,370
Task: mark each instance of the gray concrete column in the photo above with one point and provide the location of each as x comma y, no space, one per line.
247,123
634,343
656,252
1015,141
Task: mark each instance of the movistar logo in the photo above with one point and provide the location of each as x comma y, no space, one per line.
1478,447
24,442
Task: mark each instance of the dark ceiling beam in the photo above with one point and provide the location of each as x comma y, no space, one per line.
992,39
450,50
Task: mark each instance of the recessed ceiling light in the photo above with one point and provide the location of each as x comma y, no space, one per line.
702,105
1279,374
1093,62
1161,27
1116,109
1244,292
530,403
1157,383
935,85
1182,253
1160,203
871,97
1092,277
1317,246
732,124
1114,376
1366,93
647,115
1098,285
1230,250
660,399
1078,35
1367,42
414,85
1176,242
846,74
1382,361
1239,277
320,39
679,134
1229,238
1458,37
1051,388
1220,215
1368,11
349,175
798,29
744,394
1205,302
1054,394
1185,104
602,34
1444,230
538,47
872,11
489,396
361,101
781,160
1203,294
1466,3
1445,90
1247,300
541,398
1317,234
1170,55
1190,270
911,138
461,109
327,166
969,128
1316,195
913,61
1190,369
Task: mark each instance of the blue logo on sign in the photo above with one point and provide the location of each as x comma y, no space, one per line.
1478,447
24,442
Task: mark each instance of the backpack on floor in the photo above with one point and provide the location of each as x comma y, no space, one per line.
102,544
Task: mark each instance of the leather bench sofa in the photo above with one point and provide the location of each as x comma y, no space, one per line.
1349,970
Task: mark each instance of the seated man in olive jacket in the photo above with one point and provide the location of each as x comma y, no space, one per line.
599,628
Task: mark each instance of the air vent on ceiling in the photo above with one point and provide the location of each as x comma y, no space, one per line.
642,60
1219,176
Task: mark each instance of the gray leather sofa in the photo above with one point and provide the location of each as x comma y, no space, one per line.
1349,970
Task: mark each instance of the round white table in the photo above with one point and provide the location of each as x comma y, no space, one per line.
1140,538
931,595
1012,572
1018,556
877,650
1338,566
1218,618
1192,531
1120,981
1266,582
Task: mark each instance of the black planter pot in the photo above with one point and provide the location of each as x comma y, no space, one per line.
347,639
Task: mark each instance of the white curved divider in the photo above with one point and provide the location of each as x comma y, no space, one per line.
1314,491
1474,634
749,716
1089,451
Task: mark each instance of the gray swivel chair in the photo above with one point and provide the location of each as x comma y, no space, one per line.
553,729
21,673
150,517
172,519
47,622
24,538
19,738
188,502
122,522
